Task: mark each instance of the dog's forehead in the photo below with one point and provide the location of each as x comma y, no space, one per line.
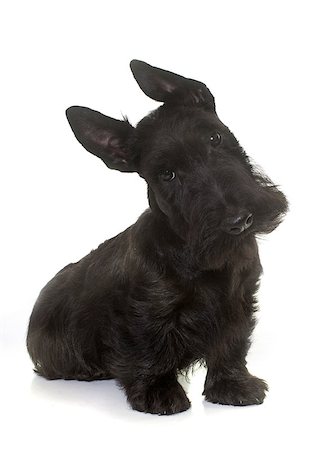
164,126
181,121
176,137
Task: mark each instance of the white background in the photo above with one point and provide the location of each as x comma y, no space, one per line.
267,65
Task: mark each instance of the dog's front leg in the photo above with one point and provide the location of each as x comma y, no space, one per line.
161,394
228,382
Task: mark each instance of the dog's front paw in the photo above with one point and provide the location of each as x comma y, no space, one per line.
247,390
161,400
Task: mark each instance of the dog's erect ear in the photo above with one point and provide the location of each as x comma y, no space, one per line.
103,136
170,88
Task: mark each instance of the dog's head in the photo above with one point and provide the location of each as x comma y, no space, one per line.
199,178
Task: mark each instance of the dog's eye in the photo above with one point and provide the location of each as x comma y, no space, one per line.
215,139
167,175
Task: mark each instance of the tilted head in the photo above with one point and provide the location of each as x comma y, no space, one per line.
200,181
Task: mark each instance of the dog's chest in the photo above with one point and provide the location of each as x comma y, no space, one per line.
200,313
190,316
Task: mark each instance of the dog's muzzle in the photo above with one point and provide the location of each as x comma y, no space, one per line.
236,225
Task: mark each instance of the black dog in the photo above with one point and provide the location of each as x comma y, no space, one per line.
179,285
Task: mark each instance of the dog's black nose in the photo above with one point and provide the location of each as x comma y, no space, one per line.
236,225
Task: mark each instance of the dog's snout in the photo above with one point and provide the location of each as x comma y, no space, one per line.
236,225
248,220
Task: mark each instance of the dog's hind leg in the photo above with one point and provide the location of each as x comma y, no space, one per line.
78,375
94,377
56,359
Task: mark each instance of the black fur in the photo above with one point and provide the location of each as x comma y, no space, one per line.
179,285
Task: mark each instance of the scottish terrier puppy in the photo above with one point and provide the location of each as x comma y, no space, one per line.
179,286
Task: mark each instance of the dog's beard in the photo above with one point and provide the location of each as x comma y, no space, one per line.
209,245
270,206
